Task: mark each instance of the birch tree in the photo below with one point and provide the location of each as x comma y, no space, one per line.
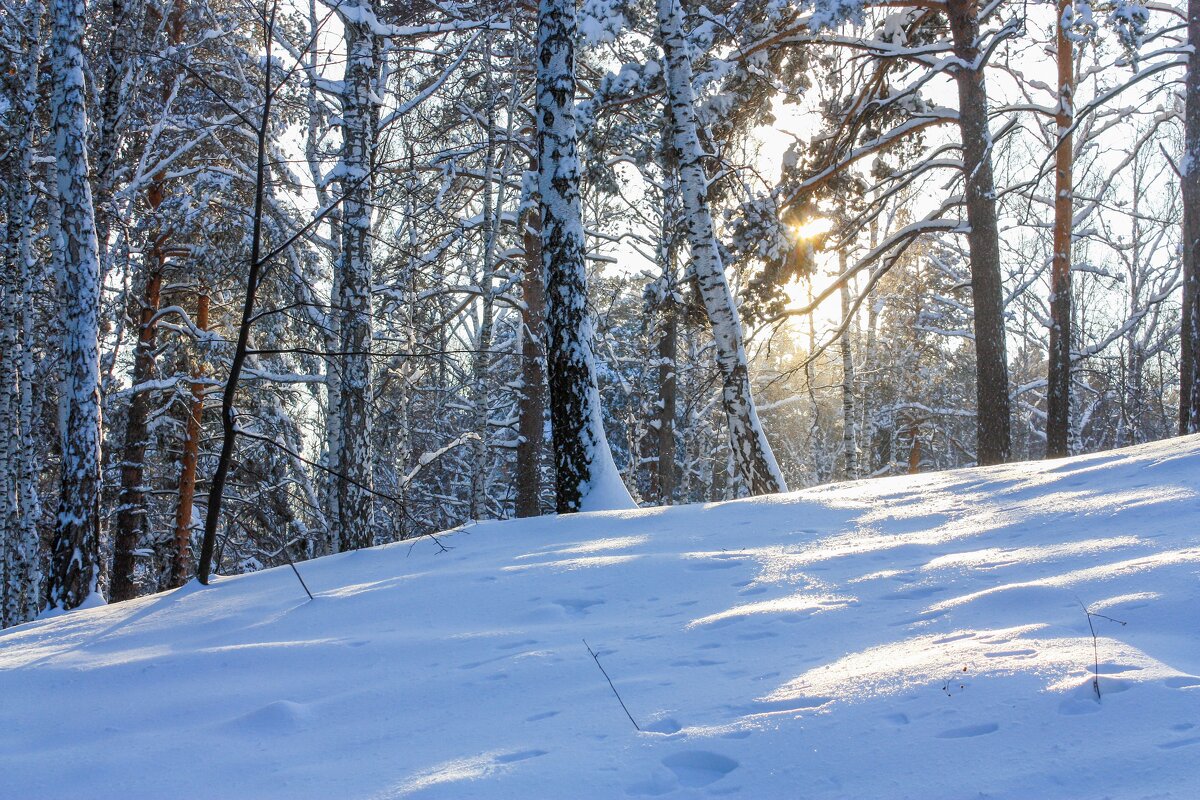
754,463
74,567
353,302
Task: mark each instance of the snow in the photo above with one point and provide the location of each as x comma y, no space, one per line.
911,637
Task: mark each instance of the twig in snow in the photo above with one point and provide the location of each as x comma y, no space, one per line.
292,564
596,658
1095,644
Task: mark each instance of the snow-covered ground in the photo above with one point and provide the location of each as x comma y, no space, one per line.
914,637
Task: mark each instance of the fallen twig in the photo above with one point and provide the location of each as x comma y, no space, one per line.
1095,644
596,658
292,564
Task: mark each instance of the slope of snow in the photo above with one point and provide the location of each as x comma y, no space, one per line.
913,637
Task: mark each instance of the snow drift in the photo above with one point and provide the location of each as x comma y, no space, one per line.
925,637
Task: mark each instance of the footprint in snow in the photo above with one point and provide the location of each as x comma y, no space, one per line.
578,607
696,768
541,716
1079,704
515,645
718,562
955,638
915,593
791,705
1023,652
924,616
520,755
1112,668
664,725
1180,743
969,731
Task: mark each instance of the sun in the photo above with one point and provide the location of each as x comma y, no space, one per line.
812,228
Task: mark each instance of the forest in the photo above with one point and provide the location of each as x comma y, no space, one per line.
283,279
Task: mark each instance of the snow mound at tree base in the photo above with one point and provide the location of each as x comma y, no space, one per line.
913,637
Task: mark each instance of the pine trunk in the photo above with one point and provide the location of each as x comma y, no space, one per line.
531,425
587,479
1189,376
131,508
849,412
668,397
993,426
181,554
1058,388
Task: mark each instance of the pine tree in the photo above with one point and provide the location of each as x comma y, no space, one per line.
586,477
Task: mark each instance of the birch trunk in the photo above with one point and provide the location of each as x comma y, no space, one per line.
993,426
74,564
355,501
493,204
10,390
19,507
754,464
587,478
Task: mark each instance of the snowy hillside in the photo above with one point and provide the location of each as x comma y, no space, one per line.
915,637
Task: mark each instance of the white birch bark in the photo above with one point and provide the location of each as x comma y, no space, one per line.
355,501
74,565
493,203
754,464
21,562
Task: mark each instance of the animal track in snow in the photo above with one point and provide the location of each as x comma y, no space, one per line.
1180,743
791,705
695,662
578,607
520,755
1025,651
515,645
969,731
1181,682
915,593
706,563
696,768
666,725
